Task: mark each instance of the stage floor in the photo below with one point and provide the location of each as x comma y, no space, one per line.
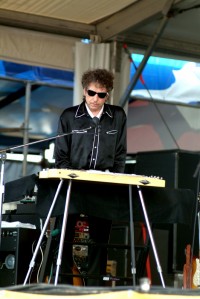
44,291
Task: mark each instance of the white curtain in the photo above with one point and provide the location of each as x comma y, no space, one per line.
88,56
122,78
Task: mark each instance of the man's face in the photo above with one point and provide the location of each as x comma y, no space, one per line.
94,100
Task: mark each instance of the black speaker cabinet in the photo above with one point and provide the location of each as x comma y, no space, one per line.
15,254
178,168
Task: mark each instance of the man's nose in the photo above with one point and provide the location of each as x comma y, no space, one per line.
96,97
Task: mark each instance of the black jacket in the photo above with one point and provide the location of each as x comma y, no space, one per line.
99,146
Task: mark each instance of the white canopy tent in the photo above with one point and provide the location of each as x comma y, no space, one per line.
60,23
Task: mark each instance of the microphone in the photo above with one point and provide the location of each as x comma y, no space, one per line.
96,121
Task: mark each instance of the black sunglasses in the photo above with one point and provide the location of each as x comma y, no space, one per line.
101,95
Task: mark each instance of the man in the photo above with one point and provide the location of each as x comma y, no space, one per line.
96,140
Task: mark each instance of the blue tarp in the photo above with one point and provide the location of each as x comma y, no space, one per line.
167,80
36,74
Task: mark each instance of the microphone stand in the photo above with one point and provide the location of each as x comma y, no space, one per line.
2,187
197,208
3,159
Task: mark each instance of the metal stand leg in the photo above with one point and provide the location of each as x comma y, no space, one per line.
151,236
132,239
64,224
32,262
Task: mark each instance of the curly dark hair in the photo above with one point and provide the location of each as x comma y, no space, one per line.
101,76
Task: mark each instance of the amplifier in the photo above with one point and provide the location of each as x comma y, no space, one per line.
177,168
15,254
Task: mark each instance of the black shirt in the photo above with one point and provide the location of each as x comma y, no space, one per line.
100,146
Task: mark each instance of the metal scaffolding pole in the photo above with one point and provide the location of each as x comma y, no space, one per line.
26,126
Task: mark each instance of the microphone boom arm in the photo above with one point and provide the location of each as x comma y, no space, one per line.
3,159
45,139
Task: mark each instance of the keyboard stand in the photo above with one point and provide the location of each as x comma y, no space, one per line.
159,268
63,230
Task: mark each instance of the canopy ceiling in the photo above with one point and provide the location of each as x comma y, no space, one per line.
130,21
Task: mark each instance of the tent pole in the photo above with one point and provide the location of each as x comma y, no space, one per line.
148,53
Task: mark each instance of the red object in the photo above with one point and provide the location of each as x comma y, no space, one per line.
148,266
